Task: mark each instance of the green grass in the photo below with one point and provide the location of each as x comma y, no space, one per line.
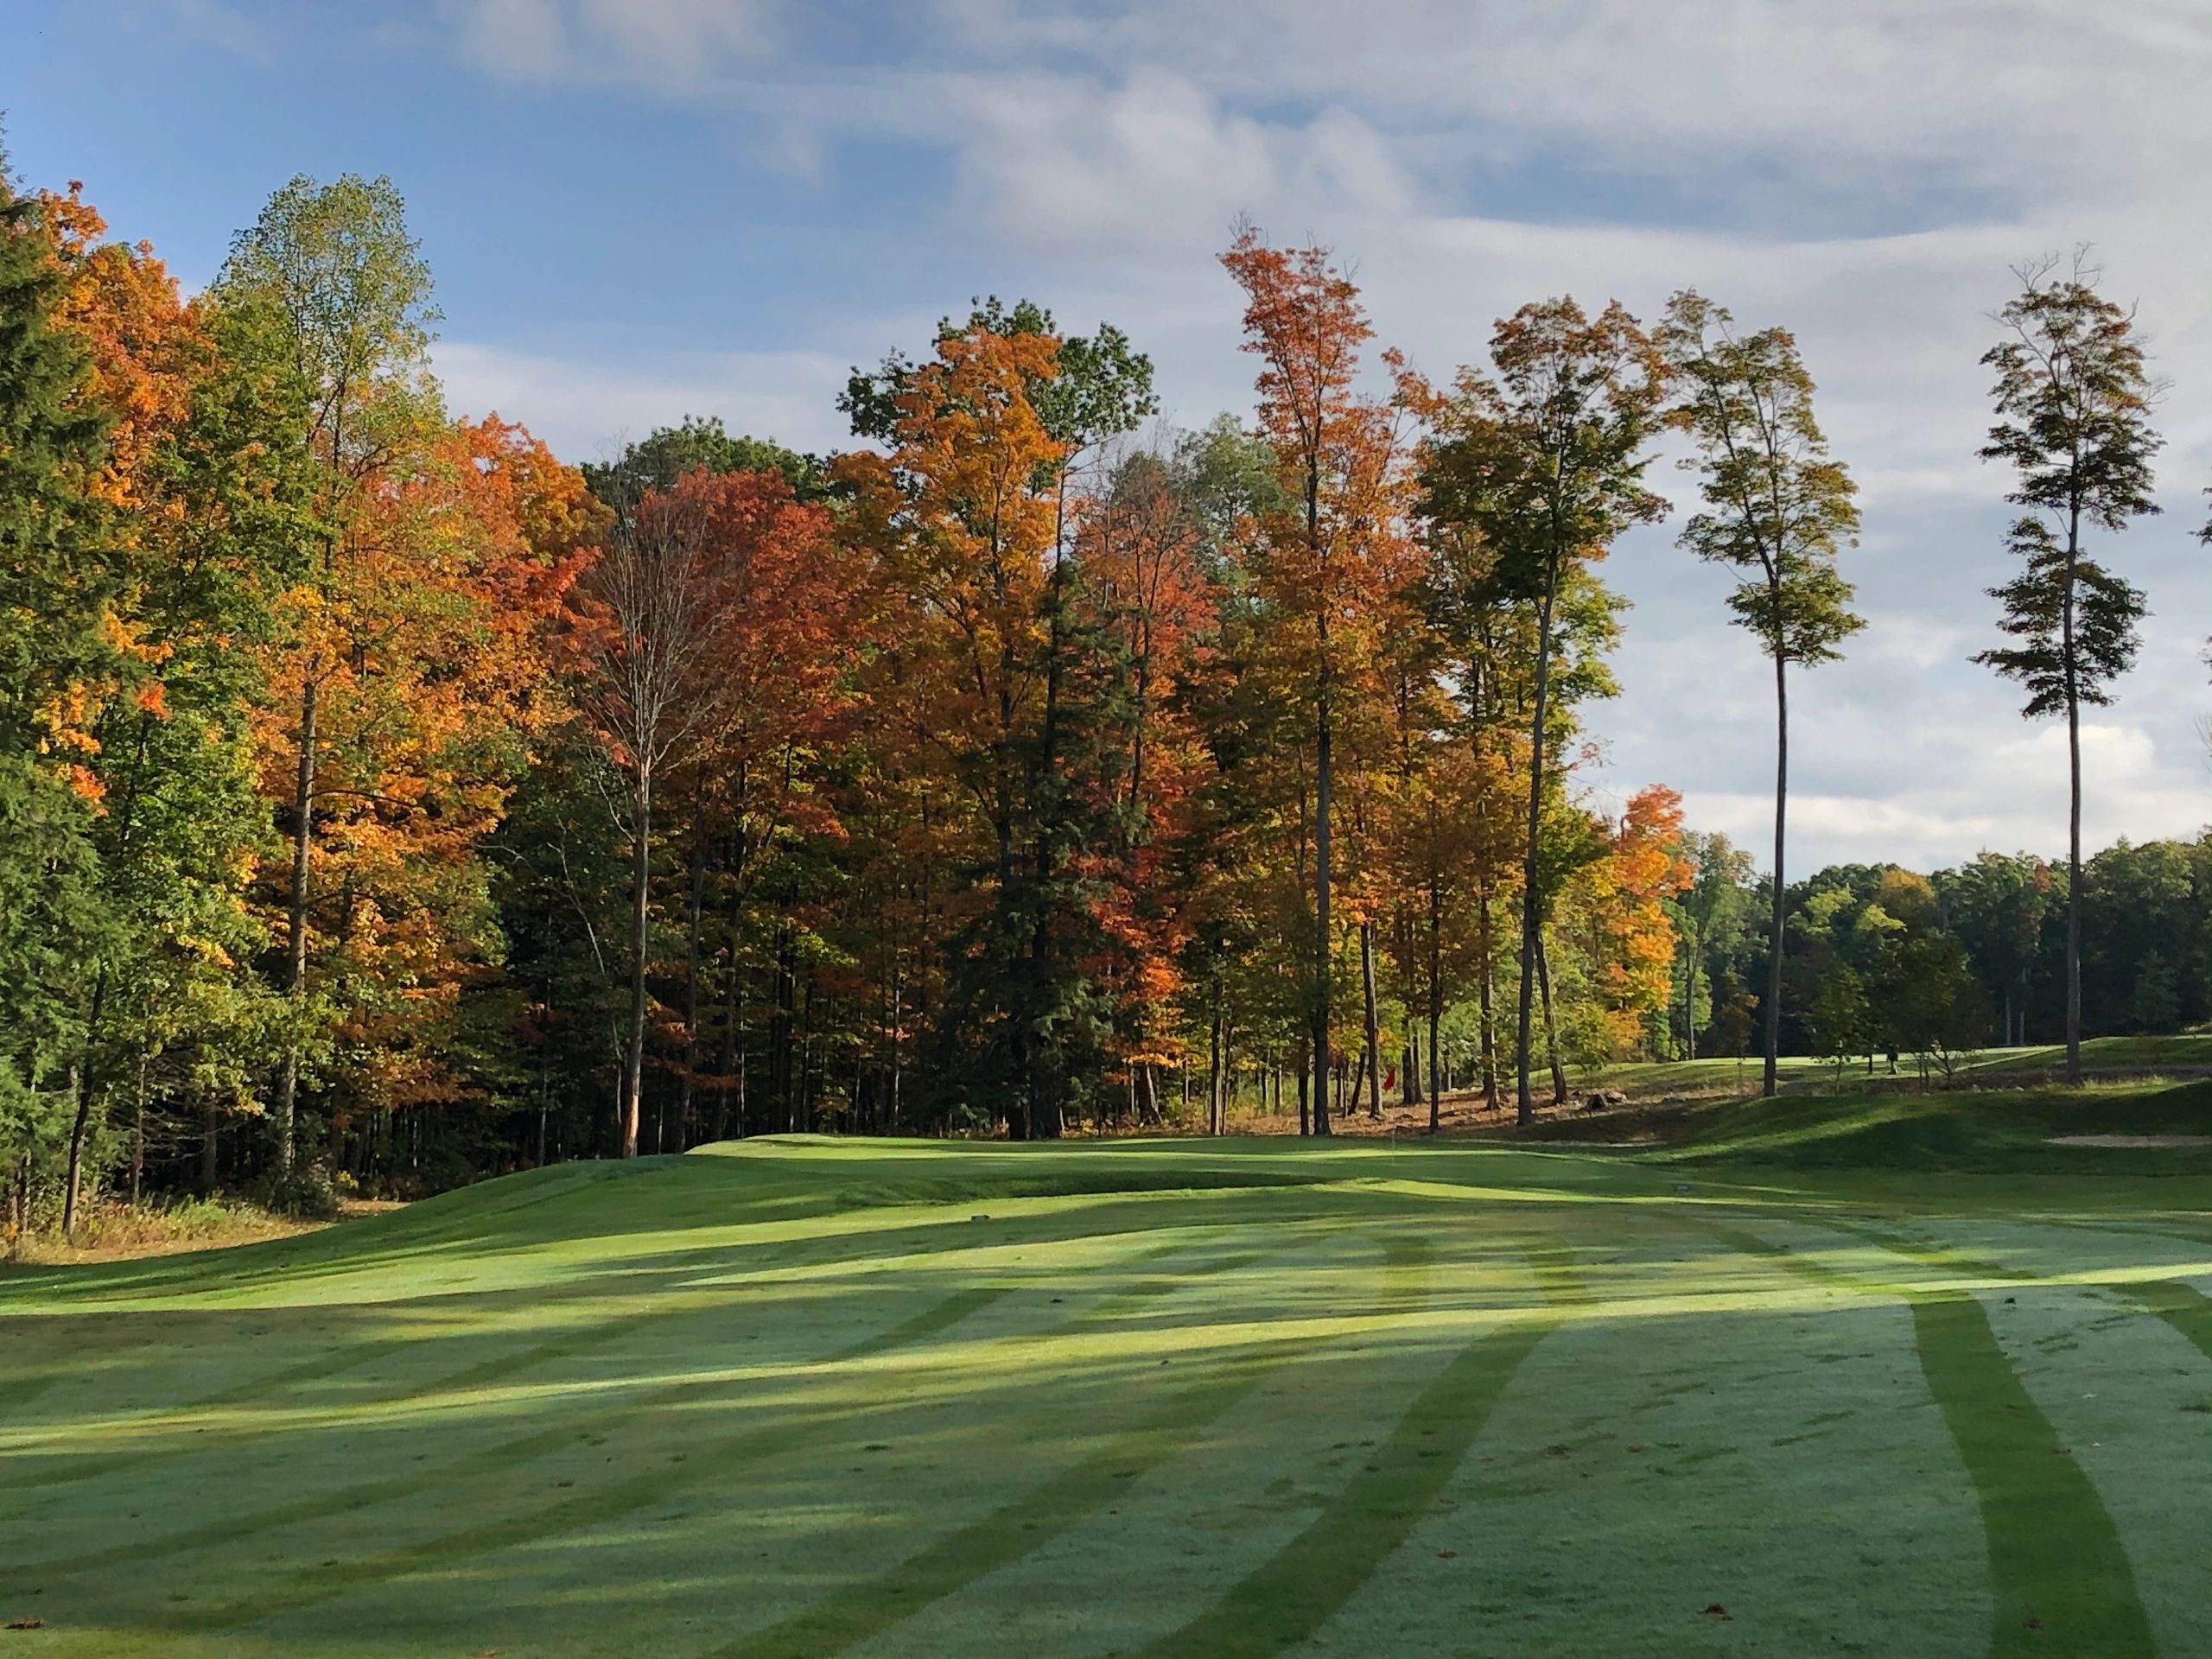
1884,1376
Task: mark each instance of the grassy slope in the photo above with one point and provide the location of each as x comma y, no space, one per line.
1822,1375
1686,1079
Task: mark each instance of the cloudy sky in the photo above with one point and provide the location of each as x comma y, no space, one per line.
641,208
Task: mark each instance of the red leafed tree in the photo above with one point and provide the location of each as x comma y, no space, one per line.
712,610
1144,572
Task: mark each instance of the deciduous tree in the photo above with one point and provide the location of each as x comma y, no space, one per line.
1337,558
1544,461
1777,508
2074,398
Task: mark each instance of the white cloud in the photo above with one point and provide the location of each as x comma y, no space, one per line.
669,45
586,409
1152,160
2006,797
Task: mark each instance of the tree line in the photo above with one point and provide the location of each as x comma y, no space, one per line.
1879,960
384,800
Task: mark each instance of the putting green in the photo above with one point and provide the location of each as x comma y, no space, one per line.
1188,1398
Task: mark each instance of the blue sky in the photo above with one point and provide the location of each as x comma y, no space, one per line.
637,209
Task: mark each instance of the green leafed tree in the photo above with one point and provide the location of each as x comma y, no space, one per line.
1777,509
698,444
1996,904
329,281
1710,918
1840,1020
2073,399
1544,459
57,572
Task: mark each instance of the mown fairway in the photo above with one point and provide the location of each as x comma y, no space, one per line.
1172,1398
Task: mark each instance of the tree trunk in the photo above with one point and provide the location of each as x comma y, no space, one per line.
1217,1085
1487,1021
1532,909
82,1118
726,1067
1689,998
138,1136
684,1087
295,971
1771,1085
1373,1025
210,1126
1551,1036
1323,780
1436,1005
634,1056
2073,823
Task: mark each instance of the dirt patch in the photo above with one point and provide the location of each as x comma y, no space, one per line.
2131,1139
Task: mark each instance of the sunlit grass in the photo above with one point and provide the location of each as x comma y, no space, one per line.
1187,1397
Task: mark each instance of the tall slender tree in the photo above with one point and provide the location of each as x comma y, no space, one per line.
1777,508
1546,461
344,298
2074,399
1334,562
665,635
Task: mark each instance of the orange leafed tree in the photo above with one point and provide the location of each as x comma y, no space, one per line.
963,515
1632,941
424,642
1333,563
145,348
1149,591
965,510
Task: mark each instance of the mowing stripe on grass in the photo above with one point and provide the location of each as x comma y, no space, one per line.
2183,1306
1005,1535
495,1368
603,1503
1293,1594
82,1468
2059,1576
1805,1266
2058,1573
1940,1257
489,1459
86,1466
523,1448
623,1496
19,1395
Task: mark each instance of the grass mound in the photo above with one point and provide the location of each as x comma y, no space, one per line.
1962,1131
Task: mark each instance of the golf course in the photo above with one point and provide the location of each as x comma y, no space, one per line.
1903,1374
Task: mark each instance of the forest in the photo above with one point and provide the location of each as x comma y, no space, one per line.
386,802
